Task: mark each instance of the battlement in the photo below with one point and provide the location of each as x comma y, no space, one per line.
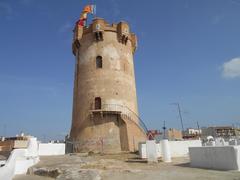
98,28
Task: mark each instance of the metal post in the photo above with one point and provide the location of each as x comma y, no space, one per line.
180,115
164,130
199,133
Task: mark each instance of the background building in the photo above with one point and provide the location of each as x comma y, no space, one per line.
192,133
154,135
174,134
170,134
225,132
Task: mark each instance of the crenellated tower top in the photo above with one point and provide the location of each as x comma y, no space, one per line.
97,29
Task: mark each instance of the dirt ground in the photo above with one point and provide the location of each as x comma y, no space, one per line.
119,167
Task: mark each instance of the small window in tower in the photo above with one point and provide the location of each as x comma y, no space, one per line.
98,36
98,103
99,62
125,41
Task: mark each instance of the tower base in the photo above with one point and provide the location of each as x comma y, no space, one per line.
107,133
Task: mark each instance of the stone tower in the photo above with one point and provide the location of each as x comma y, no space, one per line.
105,113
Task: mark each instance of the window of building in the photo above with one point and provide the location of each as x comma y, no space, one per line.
98,103
99,62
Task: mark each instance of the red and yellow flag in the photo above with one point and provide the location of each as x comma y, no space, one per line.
83,17
90,9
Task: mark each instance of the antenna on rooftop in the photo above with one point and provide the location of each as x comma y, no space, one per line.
180,114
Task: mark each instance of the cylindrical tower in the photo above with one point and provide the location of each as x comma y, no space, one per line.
105,114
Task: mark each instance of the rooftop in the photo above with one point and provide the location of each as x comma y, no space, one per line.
118,167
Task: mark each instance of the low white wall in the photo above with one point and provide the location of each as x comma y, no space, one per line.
180,148
142,150
216,157
177,148
7,171
234,142
50,149
19,161
23,164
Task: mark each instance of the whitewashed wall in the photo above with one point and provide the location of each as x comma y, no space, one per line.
8,171
177,148
50,149
151,151
216,157
20,160
180,148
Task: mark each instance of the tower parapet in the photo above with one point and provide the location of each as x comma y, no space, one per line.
97,29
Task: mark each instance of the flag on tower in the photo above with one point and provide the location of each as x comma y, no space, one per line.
90,9
83,17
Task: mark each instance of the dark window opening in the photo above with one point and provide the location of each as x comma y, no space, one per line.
98,103
99,62
124,39
99,36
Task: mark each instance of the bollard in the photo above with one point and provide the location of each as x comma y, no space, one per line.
151,149
166,153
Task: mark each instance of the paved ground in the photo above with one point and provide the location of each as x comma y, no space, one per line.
119,167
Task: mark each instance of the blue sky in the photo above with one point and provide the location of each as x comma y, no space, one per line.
188,53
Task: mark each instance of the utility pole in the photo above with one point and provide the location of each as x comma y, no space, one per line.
198,126
199,133
164,130
180,115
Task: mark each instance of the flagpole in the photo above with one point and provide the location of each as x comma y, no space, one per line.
95,11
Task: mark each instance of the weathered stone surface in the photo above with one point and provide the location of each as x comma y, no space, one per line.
48,172
105,113
80,174
119,167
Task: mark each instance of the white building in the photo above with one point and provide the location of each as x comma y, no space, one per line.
192,131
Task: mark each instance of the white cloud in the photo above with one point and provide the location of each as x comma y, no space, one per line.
231,69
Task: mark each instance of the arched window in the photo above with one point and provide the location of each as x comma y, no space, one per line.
98,103
99,62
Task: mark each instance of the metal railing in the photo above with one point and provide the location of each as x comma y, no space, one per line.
126,112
